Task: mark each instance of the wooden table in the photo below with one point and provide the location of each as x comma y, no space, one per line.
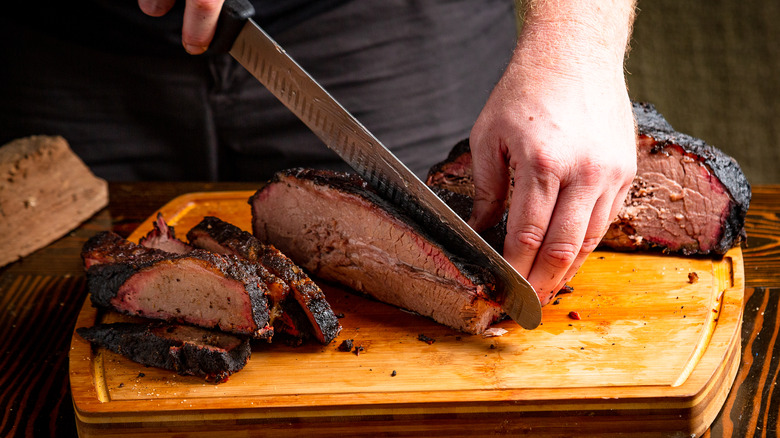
36,324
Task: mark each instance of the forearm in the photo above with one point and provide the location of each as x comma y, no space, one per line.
561,35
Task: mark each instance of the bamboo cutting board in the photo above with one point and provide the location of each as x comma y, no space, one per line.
653,354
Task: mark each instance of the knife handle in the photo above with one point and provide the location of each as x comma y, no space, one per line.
231,20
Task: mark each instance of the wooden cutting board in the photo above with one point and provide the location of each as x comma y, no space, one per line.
654,353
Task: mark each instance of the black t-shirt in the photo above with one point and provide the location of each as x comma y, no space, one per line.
121,27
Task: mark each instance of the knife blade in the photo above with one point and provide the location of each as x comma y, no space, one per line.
267,61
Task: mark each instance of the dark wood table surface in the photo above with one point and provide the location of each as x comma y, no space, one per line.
48,289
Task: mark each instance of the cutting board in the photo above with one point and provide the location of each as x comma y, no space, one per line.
654,352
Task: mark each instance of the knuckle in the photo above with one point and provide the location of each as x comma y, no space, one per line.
530,237
590,244
545,162
559,255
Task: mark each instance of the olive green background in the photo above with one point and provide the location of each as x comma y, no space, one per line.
712,68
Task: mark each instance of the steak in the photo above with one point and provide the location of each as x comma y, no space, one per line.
337,227
306,299
198,288
688,197
187,350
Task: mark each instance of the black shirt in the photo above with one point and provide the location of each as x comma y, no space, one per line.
121,27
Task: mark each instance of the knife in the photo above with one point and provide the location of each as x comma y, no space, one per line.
256,51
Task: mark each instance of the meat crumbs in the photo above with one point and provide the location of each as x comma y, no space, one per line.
346,345
426,339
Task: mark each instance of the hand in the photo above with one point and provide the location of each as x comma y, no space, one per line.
563,123
200,20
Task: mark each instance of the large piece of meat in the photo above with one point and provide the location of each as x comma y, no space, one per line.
190,351
306,299
334,225
198,287
688,197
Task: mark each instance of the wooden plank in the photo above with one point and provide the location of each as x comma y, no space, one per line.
652,351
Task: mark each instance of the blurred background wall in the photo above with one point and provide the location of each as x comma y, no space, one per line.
712,68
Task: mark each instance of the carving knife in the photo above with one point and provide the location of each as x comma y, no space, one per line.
256,51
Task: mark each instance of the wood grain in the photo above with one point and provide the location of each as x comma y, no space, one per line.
753,405
651,344
763,244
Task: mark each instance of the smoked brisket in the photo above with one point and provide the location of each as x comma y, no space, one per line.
198,288
163,237
335,226
306,299
187,350
688,197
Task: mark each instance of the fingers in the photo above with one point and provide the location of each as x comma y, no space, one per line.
156,8
532,206
546,233
599,221
491,184
200,21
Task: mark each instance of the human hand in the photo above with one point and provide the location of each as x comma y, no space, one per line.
200,20
563,123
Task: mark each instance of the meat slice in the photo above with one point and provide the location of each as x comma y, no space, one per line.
307,298
688,197
199,288
163,237
334,225
109,247
187,350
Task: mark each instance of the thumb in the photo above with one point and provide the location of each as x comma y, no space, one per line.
491,184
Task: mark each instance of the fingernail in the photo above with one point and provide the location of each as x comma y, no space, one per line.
194,50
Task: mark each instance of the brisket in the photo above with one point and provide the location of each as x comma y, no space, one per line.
163,237
198,288
187,350
334,225
306,299
688,197
109,247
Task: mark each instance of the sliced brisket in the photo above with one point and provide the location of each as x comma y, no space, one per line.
688,197
199,288
334,225
306,299
163,237
190,351
109,247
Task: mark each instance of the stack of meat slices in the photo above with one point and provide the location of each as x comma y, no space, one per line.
217,292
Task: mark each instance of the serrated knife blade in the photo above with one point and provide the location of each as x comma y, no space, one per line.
267,61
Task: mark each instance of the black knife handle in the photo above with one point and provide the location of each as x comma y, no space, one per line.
231,20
